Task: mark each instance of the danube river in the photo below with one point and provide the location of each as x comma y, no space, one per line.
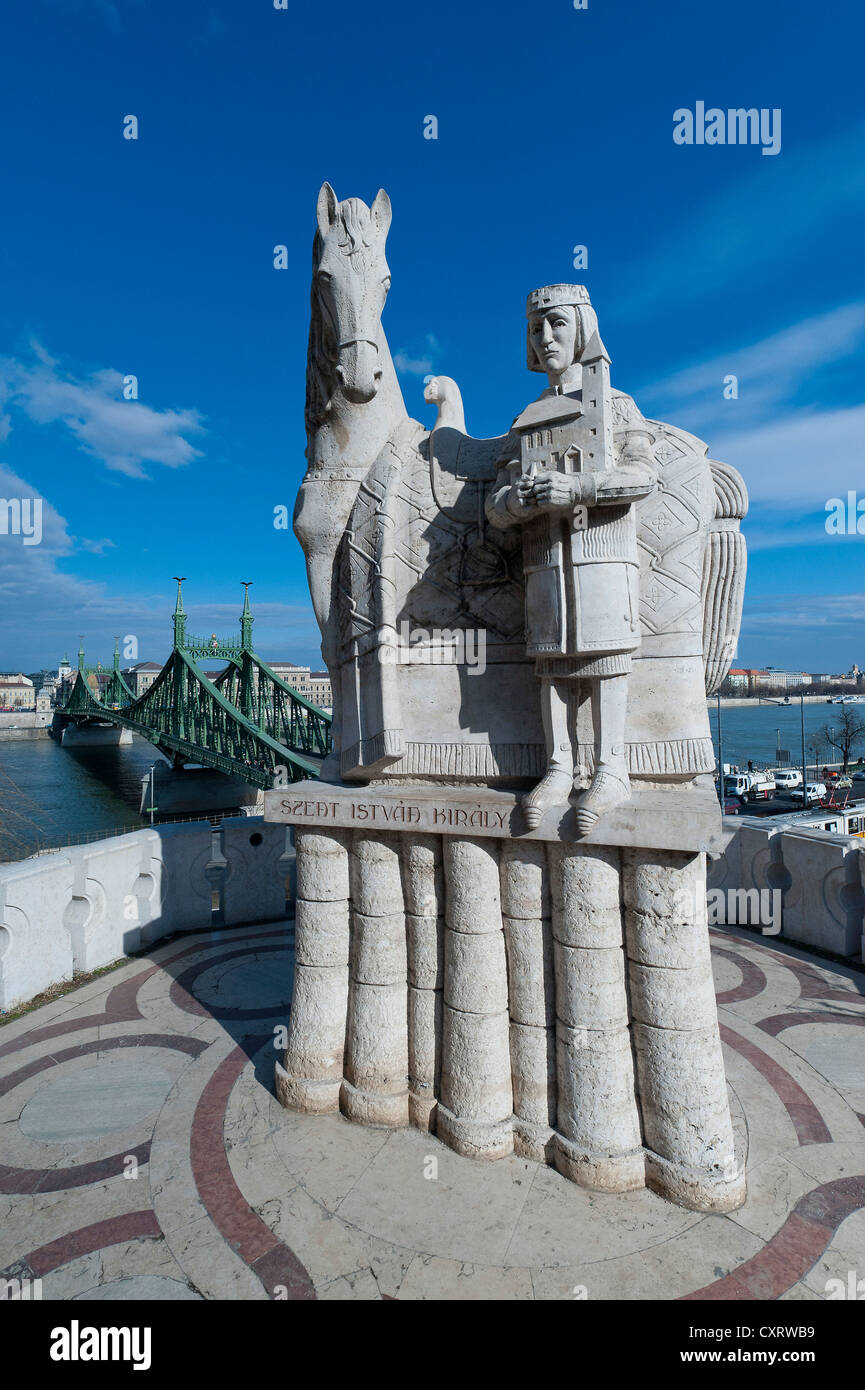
49,794
756,731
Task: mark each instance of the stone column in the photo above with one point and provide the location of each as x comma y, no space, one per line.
683,1092
375,1088
423,892
311,1076
531,986
475,1113
598,1143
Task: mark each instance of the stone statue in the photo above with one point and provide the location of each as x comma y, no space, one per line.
576,508
502,931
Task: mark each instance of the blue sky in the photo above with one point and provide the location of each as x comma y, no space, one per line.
155,258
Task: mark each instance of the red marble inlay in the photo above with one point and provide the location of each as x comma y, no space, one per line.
191,1046
135,1225
76,1175
753,979
273,1262
807,1121
121,1003
775,1025
182,988
794,1249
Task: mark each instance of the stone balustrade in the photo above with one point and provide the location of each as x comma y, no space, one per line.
81,908
77,909
819,876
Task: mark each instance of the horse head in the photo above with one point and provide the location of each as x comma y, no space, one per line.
350,284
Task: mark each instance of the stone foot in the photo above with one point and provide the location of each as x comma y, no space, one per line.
608,790
552,790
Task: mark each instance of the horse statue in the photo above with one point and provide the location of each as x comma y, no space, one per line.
513,984
354,405
395,523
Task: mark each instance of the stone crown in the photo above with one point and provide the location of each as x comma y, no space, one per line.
552,295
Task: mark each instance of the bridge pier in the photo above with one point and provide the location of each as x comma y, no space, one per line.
179,790
95,736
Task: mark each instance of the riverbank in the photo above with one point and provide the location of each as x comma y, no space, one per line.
20,735
743,701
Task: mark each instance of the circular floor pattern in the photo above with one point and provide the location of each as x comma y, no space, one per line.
244,1200
235,985
112,1095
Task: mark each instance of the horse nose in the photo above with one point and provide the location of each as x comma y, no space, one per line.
360,372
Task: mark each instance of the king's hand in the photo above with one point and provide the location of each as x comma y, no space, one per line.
552,492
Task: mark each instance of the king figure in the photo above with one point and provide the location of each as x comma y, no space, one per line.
574,499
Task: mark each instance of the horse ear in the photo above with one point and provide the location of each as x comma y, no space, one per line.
326,208
382,211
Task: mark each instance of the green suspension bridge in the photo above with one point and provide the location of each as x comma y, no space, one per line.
246,722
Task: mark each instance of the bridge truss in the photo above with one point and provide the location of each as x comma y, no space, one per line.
247,722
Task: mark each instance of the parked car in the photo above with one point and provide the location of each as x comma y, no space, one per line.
814,792
787,777
859,774
844,783
733,806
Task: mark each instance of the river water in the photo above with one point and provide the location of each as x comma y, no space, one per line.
49,794
756,731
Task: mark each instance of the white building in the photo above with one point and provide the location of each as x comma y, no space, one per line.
16,692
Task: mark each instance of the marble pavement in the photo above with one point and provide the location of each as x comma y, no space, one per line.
143,1154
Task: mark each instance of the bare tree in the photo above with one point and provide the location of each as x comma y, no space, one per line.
846,734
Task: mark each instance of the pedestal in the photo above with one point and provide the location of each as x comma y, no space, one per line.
514,992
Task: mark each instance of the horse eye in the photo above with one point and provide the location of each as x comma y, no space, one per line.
386,282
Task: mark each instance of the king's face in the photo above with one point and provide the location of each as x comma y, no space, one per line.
553,335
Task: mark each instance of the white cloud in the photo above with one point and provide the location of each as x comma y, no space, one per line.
769,371
44,608
98,547
418,365
799,461
124,435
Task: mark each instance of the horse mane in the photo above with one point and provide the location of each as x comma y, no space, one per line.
320,357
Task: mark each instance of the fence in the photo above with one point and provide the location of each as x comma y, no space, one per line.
79,908
821,878
83,907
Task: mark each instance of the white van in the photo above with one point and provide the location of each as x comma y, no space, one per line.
787,777
814,791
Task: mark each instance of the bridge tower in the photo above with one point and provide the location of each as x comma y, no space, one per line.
179,616
178,710
248,673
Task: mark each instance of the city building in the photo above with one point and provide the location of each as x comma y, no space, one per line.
16,692
735,682
322,695
140,677
312,685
